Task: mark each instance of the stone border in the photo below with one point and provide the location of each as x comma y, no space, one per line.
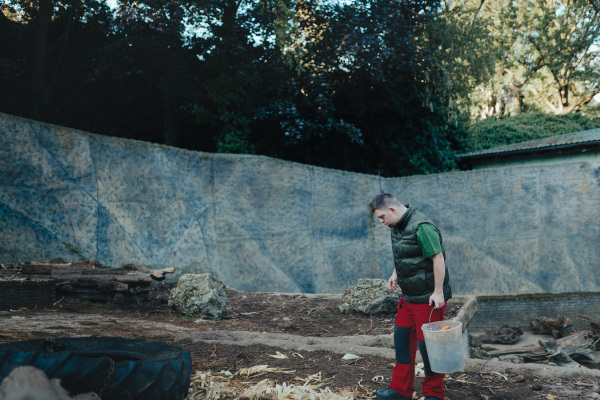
522,309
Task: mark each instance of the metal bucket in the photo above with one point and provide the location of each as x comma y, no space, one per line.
444,348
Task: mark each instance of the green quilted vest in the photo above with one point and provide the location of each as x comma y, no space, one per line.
415,273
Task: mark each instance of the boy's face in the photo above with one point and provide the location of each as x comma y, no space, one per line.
388,216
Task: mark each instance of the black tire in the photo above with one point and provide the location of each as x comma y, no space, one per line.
114,368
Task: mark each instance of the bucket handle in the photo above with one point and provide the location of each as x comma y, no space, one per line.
431,313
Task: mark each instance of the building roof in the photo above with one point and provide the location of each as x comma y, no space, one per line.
576,139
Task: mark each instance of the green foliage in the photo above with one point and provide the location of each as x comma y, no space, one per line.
492,132
547,56
363,85
461,52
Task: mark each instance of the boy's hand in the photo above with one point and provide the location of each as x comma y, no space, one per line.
393,282
438,299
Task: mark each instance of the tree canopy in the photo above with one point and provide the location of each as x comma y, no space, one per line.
374,86
547,56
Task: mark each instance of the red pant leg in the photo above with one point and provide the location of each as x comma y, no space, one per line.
405,343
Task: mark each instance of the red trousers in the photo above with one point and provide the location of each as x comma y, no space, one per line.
407,336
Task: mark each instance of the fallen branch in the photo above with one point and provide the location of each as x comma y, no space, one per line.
461,381
61,299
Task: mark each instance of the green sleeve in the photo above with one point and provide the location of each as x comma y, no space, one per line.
428,238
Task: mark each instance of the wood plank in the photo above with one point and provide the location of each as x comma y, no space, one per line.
37,268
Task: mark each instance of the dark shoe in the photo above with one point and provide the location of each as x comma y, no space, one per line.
389,394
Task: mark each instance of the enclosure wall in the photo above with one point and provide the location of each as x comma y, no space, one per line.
262,224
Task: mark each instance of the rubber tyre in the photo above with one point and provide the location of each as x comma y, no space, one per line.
114,368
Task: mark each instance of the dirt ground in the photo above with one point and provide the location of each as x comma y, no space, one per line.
300,318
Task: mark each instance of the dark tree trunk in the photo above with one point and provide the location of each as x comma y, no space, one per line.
40,52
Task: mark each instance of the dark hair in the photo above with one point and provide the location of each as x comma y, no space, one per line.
382,200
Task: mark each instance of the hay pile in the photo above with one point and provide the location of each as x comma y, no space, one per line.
226,385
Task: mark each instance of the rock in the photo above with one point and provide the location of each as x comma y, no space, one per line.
199,295
28,382
511,358
476,352
370,296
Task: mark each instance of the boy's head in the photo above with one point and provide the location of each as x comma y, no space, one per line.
387,208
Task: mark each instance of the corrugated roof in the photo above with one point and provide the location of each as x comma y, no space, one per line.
591,136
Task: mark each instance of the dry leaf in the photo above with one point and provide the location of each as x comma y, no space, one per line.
263,369
278,355
499,374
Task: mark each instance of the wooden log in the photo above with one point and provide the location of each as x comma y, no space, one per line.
65,276
532,353
92,267
156,274
36,268
595,324
576,346
560,327
105,286
90,280
525,349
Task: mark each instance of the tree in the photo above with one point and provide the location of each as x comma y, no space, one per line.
83,65
362,85
548,53
244,90
42,38
368,81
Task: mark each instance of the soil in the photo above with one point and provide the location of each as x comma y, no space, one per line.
296,318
